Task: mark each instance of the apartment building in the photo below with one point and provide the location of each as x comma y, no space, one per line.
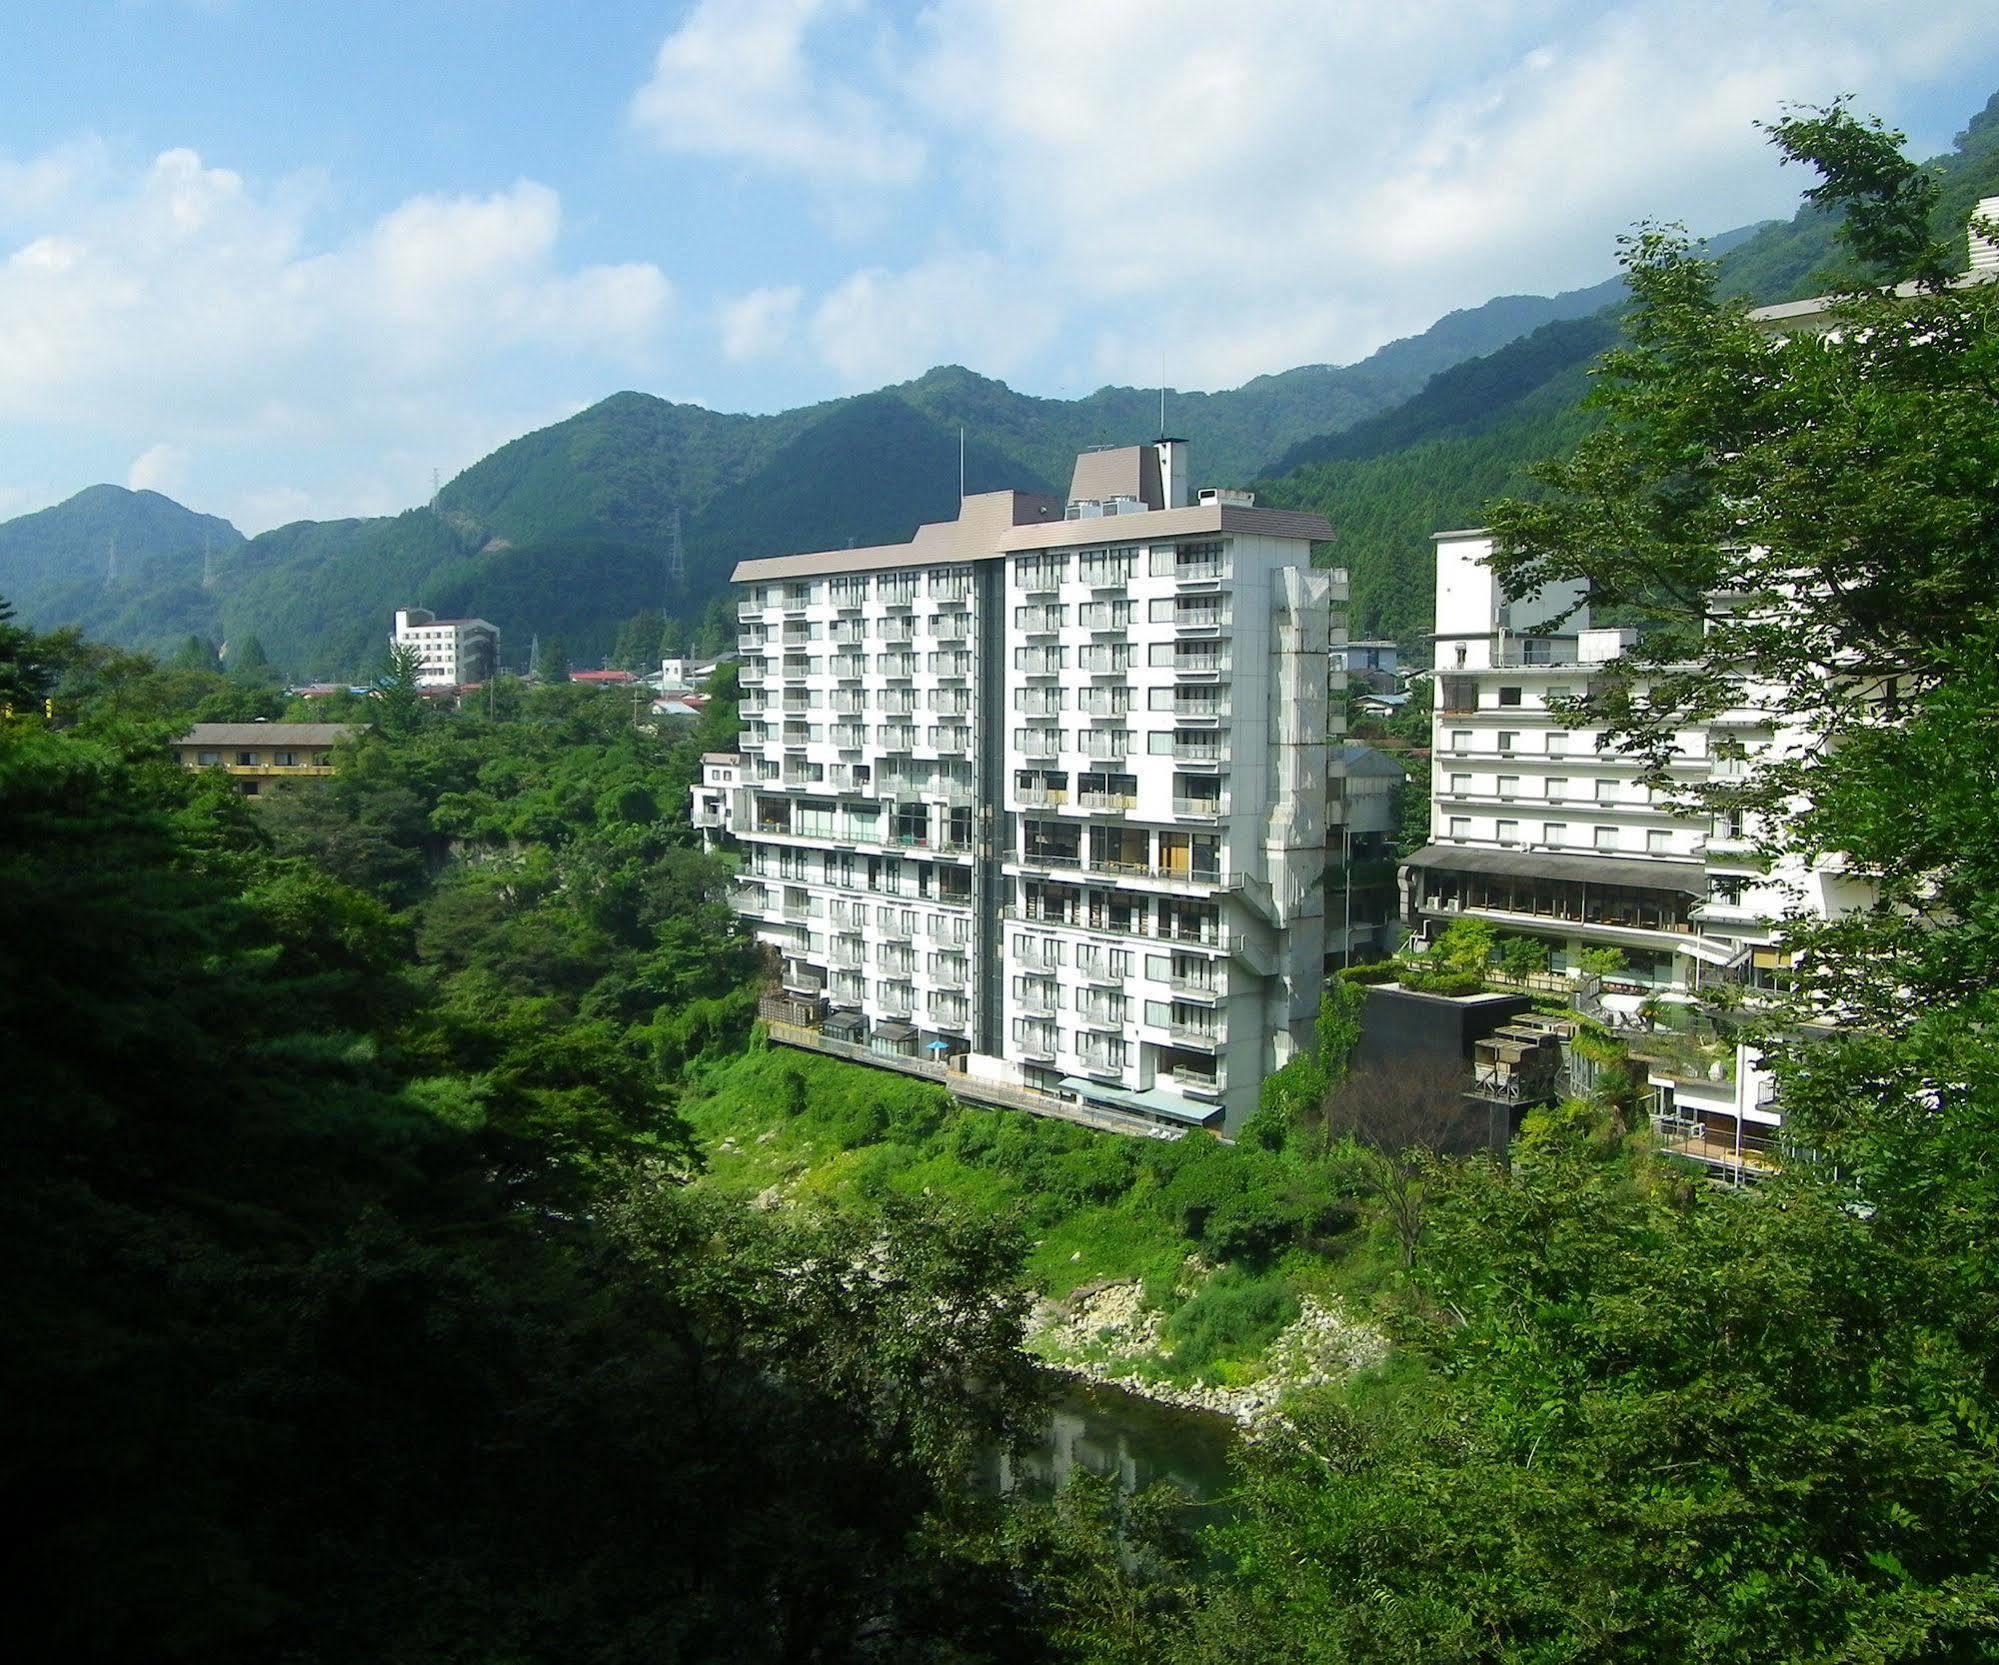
451,653
1038,799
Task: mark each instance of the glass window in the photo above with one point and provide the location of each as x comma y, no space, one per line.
1508,739
1509,696
1659,843
1606,838
1555,832
1460,826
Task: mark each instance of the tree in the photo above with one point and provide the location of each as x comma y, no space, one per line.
398,691
25,677
1396,1121
552,662
637,645
250,664
197,653
1522,957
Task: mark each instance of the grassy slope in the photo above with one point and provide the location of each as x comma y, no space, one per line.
1097,1206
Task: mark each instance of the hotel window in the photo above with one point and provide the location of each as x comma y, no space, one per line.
1606,838
1509,696
1555,832
1460,739
1509,786
1460,826
1606,791
1508,832
1558,745
1659,843
1558,788
1460,786
1508,739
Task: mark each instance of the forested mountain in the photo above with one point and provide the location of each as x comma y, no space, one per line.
566,531
124,565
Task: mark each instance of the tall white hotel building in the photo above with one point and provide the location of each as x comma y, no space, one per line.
1038,800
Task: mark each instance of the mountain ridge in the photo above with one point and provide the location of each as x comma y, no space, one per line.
571,528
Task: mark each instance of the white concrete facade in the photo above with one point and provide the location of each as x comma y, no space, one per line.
451,653
1042,794
1540,831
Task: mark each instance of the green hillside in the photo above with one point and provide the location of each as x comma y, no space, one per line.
124,565
566,531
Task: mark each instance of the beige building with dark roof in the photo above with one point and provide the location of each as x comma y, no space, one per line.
264,757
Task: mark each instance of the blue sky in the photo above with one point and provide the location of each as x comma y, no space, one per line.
285,260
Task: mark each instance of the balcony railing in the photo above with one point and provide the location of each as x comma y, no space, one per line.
1205,807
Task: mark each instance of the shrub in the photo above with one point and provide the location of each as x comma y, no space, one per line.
1231,1315
1375,971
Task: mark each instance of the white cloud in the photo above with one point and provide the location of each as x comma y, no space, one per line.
736,81
187,309
161,468
1312,179
881,326
758,325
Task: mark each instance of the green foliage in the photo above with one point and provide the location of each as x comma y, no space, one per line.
1522,957
1234,1315
1602,962
366,1299
1457,963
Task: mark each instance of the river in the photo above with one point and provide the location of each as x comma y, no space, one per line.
1112,1432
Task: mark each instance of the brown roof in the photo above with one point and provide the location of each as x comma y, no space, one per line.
269,734
962,540
1127,471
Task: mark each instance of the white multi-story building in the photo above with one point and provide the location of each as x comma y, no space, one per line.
1542,832
1040,796
451,653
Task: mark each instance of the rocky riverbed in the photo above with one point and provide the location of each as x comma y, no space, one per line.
1105,1333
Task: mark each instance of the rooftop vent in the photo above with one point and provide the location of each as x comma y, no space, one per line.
1227,497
